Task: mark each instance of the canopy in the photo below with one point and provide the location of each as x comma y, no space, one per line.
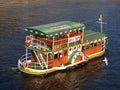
92,35
57,28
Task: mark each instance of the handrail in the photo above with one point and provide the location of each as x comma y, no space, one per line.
49,42
38,44
33,65
38,59
23,57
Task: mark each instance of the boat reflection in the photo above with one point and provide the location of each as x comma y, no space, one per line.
78,78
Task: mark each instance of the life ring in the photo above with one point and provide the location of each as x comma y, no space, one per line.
25,64
29,40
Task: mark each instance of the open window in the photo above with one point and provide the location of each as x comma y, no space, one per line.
50,55
56,56
65,52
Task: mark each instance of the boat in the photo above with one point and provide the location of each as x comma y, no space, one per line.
59,46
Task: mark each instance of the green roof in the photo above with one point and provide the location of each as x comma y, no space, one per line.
92,35
56,28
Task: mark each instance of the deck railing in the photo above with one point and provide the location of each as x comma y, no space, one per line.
32,65
25,57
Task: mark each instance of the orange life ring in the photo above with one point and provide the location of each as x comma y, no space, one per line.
25,64
29,40
28,43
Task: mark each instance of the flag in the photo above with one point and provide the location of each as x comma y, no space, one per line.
100,18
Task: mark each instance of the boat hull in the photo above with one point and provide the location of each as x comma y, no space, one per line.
31,71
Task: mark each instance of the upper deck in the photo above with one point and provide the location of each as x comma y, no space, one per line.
57,28
91,35
60,35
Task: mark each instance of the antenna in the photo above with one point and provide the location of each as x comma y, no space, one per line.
100,20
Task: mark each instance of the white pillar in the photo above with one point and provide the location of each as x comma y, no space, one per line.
53,44
47,60
101,23
68,39
26,54
83,34
37,43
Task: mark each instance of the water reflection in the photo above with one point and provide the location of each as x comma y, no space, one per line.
76,78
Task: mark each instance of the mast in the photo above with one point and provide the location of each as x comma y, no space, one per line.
68,39
101,22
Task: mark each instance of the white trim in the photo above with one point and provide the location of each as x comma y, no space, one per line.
99,39
36,32
26,29
31,31
55,52
61,32
51,35
95,41
41,33
74,30
91,42
83,44
56,33
65,31
87,43
60,51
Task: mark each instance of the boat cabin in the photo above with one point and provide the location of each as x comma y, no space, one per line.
52,41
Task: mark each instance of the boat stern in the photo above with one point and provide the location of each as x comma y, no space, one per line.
33,68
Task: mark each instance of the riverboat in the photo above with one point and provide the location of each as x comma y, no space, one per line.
58,46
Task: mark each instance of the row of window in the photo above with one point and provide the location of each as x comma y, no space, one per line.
92,45
57,55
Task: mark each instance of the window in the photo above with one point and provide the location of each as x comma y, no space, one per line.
77,31
42,43
56,56
91,45
81,31
87,46
83,47
102,42
98,43
50,56
74,48
95,44
65,53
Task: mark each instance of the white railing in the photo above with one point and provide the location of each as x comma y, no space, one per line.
25,58
33,65
39,44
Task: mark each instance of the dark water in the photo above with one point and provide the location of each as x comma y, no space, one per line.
15,15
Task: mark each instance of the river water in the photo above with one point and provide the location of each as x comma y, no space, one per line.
15,15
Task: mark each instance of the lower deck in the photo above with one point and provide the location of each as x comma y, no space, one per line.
68,55
35,69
